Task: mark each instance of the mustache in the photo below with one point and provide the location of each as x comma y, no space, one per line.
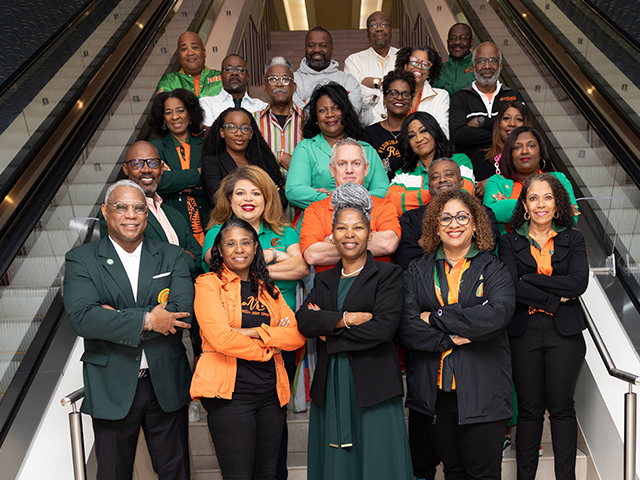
279,90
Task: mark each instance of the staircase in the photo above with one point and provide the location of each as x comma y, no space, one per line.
291,46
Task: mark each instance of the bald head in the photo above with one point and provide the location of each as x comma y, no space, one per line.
191,53
136,166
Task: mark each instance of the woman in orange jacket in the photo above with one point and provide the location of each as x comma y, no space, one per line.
240,378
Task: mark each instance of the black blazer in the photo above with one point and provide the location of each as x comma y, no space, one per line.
378,289
569,279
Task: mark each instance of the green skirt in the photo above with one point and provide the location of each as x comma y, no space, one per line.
348,442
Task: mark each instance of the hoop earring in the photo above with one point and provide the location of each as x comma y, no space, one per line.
526,216
556,215
474,232
164,126
544,164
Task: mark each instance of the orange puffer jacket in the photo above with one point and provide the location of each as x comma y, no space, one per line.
218,310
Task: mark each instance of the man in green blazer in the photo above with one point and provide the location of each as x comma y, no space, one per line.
164,223
129,300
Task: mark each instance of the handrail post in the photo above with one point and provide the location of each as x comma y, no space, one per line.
630,413
77,437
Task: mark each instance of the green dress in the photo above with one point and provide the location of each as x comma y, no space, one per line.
347,442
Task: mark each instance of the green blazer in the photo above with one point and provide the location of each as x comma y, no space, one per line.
175,180
155,231
113,339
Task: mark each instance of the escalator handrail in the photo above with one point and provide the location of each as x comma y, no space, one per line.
43,50
611,24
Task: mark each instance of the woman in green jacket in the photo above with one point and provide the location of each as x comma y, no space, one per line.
176,117
525,154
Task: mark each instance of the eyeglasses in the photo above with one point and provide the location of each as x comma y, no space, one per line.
374,26
493,61
416,62
121,208
395,94
231,69
284,80
462,38
245,129
138,163
243,244
462,218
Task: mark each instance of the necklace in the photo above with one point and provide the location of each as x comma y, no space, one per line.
352,273
395,137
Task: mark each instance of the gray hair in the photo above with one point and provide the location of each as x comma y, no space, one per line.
348,141
352,195
473,58
279,60
123,183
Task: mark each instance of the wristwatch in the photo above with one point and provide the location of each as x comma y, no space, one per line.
275,253
481,120
376,83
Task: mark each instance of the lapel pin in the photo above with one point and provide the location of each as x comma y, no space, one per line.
109,261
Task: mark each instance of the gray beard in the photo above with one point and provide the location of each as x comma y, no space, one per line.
486,82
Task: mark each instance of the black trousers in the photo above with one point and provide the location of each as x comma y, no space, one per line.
290,366
545,371
247,433
423,456
166,434
471,451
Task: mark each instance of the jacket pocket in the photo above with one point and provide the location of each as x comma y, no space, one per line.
178,351
96,358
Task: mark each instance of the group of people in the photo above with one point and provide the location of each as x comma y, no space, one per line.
401,214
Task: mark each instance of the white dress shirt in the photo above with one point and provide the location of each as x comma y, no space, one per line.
368,63
131,264
214,106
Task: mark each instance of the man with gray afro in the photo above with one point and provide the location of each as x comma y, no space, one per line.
348,166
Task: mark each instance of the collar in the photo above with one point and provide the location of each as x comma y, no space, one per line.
427,91
155,202
498,87
473,251
176,142
123,253
389,54
189,75
523,230
295,110
467,59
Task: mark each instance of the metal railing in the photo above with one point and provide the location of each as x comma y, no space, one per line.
77,437
630,398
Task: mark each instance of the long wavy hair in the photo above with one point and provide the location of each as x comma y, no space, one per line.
191,103
404,55
258,272
506,161
560,195
444,147
337,93
497,144
430,239
273,213
258,152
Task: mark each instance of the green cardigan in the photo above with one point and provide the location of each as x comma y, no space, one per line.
503,209
175,180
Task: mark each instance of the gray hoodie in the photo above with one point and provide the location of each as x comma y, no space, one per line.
307,79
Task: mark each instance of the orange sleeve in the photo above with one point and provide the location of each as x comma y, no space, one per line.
315,222
468,186
285,338
404,199
216,329
387,217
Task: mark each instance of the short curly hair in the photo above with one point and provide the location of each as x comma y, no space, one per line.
560,195
404,54
340,96
191,103
430,239
394,75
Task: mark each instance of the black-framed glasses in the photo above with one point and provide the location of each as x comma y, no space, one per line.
462,218
138,163
121,208
395,94
231,128
462,38
416,62
231,69
243,244
493,61
284,80
374,26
